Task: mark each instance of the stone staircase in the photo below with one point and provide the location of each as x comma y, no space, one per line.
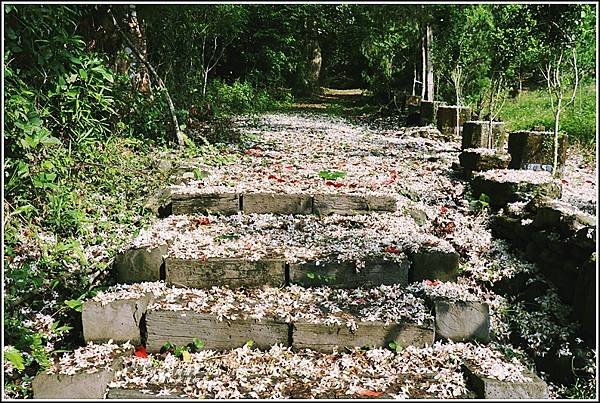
297,276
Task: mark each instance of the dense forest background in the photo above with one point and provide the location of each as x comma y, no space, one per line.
90,89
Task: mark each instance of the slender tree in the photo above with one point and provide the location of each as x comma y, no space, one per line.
559,29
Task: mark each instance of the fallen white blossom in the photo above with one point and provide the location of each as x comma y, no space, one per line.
432,372
90,358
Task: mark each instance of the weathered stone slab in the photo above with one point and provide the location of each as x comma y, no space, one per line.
447,117
130,394
502,192
118,320
345,204
78,386
550,213
480,160
413,107
429,111
534,150
583,242
264,203
344,274
510,228
325,338
462,321
224,272
180,327
476,134
224,203
159,202
430,263
139,265
488,388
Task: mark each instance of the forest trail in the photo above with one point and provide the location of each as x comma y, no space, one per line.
330,259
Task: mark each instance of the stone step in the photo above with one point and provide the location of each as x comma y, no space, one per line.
505,186
439,371
254,250
483,159
226,318
320,318
194,202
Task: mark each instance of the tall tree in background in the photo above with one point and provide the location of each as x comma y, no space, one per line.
460,51
559,29
429,86
188,42
392,47
310,23
510,41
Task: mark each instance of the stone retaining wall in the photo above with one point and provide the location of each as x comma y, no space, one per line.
562,241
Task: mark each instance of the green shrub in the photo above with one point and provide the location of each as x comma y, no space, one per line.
239,97
139,115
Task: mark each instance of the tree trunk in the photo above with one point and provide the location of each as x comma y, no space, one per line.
204,83
457,128
140,79
491,117
314,65
423,67
430,91
142,59
555,143
414,79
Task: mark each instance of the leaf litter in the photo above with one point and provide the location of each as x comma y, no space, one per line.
410,164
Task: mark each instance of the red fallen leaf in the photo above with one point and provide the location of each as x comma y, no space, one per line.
565,182
443,209
430,283
271,177
140,351
295,181
279,180
199,221
391,249
336,184
368,393
589,181
289,167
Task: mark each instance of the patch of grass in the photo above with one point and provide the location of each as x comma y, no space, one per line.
532,108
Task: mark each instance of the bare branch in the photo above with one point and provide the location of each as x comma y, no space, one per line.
576,78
